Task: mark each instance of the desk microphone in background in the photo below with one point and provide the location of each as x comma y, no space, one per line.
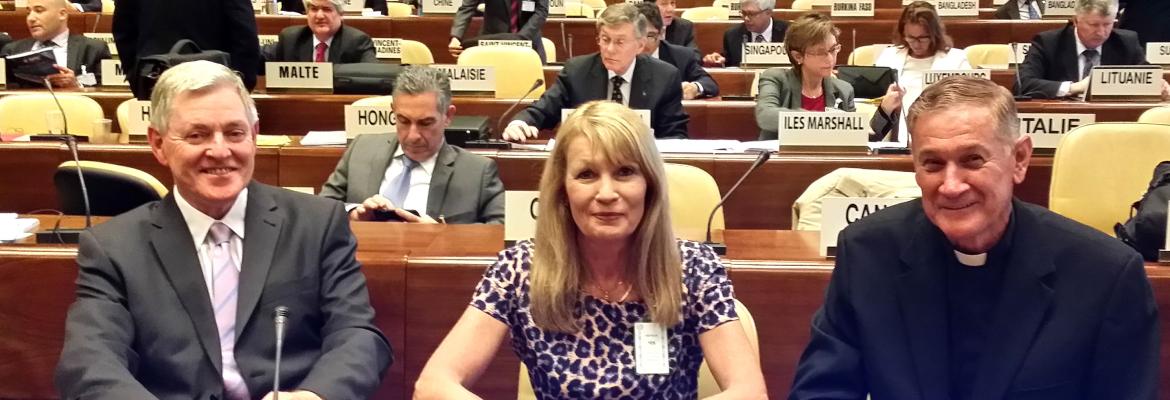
564,43
279,321
569,47
1019,94
508,113
66,235
720,248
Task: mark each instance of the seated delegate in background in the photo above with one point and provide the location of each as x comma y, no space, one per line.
811,42
604,259
524,18
1020,9
679,31
1059,61
696,82
325,39
298,6
48,26
757,27
920,44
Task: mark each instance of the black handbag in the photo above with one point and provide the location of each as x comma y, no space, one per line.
150,68
365,78
867,82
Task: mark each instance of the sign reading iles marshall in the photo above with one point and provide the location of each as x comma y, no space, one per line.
803,128
852,8
440,6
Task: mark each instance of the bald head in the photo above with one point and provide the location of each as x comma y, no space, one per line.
47,18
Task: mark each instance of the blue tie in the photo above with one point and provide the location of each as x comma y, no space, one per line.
1032,14
401,185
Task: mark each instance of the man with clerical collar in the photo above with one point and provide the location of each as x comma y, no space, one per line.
757,27
416,169
969,293
618,73
1060,60
325,39
697,82
48,26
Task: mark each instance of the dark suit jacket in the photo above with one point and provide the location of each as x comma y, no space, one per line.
5,39
146,27
465,187
656,87
1076,318
89,5
681,32
497,19
349,45
81,51
1148,19
687,62
734,37
299,6
1053,56
1011,9
143,326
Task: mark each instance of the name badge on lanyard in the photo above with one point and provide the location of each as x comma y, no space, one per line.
528,6
650,344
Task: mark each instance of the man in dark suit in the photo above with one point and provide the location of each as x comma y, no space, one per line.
524,18
758,26
1148,19
1059,61
175,299
970,294
1020,9
696,82
4,39
48,26
616,73
298,6
87,5
679,31
147,27
324,39
416,169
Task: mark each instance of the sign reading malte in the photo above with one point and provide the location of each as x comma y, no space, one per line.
299,75
852,8
1158,53
765,54
112,73
362,120
440,6
1060,8
1126,82
1047,129
388,49
930,77
469,78
802,128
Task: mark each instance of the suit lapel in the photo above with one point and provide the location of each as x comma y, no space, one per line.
597,73
262,224
381,161
73,53
176,253
335,47
922,300
444,168
642,80
830,91
1068,52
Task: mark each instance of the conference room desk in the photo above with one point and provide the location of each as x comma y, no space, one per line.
419,295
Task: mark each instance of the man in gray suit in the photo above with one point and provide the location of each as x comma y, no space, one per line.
175,299
48,26
416,169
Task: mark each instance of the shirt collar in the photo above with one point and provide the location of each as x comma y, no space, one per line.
657,54
629,75
767,31
328,42
199,223
427,165
61,40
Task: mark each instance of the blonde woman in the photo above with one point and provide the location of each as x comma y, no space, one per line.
605,260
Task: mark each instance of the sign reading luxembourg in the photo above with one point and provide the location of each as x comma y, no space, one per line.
852,8
299,75
765,54
803,128
1047,129
362,120
930,77
388,49
469,78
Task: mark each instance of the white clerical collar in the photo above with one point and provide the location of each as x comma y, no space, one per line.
971,260
199,223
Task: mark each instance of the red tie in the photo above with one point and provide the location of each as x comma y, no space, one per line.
319,56
516,15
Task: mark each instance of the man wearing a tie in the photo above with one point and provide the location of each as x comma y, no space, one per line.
415,169
617,73
1021,10
1060,60
324,39
48,26
757,27
502,20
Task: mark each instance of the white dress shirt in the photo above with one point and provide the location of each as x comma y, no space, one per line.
420,181
767,34
628,77
61,51
328,48
200,224
1023,6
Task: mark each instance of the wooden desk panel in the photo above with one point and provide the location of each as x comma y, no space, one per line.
36,288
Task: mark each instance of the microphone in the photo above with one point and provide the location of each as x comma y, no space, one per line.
279,320
1019,96
720,248
563,42
569,48
504,117
67,235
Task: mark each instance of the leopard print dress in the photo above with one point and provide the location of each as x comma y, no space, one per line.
598,361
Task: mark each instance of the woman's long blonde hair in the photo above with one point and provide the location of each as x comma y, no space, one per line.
654,267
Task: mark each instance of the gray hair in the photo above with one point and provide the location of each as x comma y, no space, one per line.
338,5
1104,8
623,13
955,91
420,79
764,4
194,76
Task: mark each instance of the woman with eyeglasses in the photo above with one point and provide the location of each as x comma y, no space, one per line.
811,42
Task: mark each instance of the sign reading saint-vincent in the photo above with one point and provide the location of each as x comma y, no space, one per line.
469,78
388,49
440,6
498,43
1047,129
803,128
765,54
361,120
852,8
112,73
299,75
930,77
1126,82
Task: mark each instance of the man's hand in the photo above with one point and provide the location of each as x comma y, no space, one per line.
297,395
713,60
1079,88
455,47
690,90
365,211
64,78
892,101
408,217
520,132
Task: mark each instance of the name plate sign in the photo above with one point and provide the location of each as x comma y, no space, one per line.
1126,82
108,38
465,78
513,43
440,6
3,72
852,8
957,8
823,129
520,210
19,4
556,8
388,49
930,77
112,73
1060,8
139,121
299,75
362,120
839,212
1020,53
352,6
1158,53
999,2
643,114
266,40
1047,129
765,54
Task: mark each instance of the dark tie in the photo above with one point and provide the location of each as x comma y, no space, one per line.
1091,60
319,55
515,16
617,90
759,38
48,43
1032,14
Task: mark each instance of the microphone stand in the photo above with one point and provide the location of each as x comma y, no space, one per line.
720,248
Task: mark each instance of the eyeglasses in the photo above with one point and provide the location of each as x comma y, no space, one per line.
832,51
606,41
751,14
653,35
919,39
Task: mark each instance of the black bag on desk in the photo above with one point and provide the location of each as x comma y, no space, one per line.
365,78
1146,229
868,82
150,68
